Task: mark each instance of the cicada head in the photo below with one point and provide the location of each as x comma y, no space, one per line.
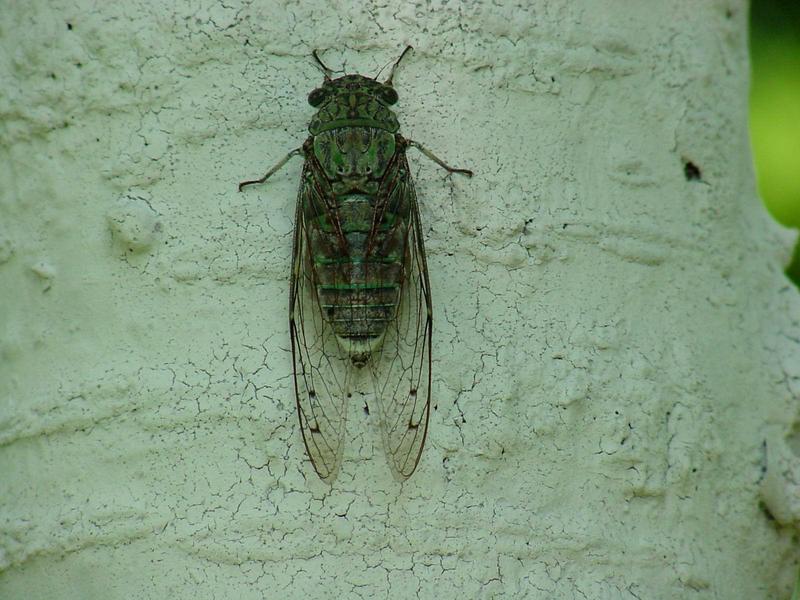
352,86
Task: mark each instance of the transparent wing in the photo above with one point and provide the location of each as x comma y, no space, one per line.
401,369
320,369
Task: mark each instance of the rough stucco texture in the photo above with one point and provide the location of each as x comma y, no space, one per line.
615,354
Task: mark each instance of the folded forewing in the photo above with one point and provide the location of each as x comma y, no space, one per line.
401,369
320,369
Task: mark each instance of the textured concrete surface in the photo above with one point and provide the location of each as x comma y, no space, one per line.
616,349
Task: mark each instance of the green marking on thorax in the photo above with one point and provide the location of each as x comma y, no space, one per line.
358,286
354,225
356,260
372,305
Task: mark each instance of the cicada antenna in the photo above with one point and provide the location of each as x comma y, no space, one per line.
394,66
325,70
378,74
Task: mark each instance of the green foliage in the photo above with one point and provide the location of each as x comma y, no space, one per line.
775,111
775,125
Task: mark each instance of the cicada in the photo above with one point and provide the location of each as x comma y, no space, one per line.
360,294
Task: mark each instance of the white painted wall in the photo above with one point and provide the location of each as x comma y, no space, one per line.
615,345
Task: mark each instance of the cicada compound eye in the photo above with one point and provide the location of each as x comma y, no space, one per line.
317,97
388,94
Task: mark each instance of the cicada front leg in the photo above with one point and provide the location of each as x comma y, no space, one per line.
438,160
273,170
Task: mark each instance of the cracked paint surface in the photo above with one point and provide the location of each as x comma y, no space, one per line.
615,346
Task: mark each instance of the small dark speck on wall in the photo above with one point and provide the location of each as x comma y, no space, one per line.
691,171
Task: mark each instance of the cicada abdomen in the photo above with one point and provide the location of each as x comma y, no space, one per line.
359,293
